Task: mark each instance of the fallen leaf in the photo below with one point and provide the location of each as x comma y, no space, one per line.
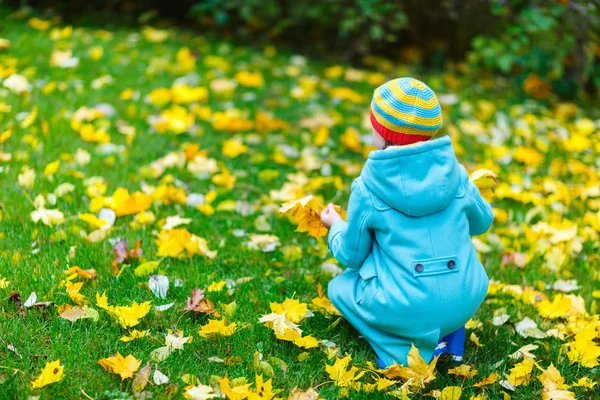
51,373
123,366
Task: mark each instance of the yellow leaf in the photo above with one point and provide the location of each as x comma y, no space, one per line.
492,378
585,382
4,136
82,273
341,375
233,148
249,79
559,307
123,366
451,393
264,389
52,372
224,179
90,134
176,242
463,370
293,309
294,336
351,140
216,286
73,292
307,213
134,334
125,204
473,338
234,393
418,372
484,178
324,305
4,283
321,136
216,327
27,122
146,268
93,220
520,374
127,316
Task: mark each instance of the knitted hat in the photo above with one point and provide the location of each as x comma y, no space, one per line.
405,111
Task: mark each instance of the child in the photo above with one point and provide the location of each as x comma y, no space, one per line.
412,274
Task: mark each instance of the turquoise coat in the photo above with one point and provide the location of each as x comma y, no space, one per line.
412,274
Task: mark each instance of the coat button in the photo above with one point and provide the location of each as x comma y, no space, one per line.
419,267
451,264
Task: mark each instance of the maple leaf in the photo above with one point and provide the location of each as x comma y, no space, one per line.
520,374
51,373
239,392
124,203
176,242
279,323
559,307
128,316
340,373
306,212
293,309
198,303
554,385
216,327
123,366
418,372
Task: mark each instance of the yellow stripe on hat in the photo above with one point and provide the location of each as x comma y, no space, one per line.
410,99
402,129
409,118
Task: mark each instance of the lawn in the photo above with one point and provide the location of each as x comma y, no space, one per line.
193,144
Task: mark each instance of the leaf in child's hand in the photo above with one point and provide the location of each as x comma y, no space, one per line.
484,178
307,213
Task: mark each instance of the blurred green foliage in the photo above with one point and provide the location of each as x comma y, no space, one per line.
549,48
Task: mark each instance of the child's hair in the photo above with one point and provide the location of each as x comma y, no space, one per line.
387,143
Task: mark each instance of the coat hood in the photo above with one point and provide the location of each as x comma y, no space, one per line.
416,180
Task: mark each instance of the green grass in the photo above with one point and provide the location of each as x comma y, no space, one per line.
32,261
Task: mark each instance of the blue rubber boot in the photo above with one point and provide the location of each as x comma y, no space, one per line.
454,344
380,363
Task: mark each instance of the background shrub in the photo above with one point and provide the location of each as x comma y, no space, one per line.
549,47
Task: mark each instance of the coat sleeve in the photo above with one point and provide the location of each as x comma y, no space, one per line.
350,242
479,213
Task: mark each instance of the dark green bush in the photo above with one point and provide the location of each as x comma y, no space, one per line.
549,46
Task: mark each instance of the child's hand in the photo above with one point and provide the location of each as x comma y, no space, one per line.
329,216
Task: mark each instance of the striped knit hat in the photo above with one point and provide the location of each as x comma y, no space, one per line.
405,111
